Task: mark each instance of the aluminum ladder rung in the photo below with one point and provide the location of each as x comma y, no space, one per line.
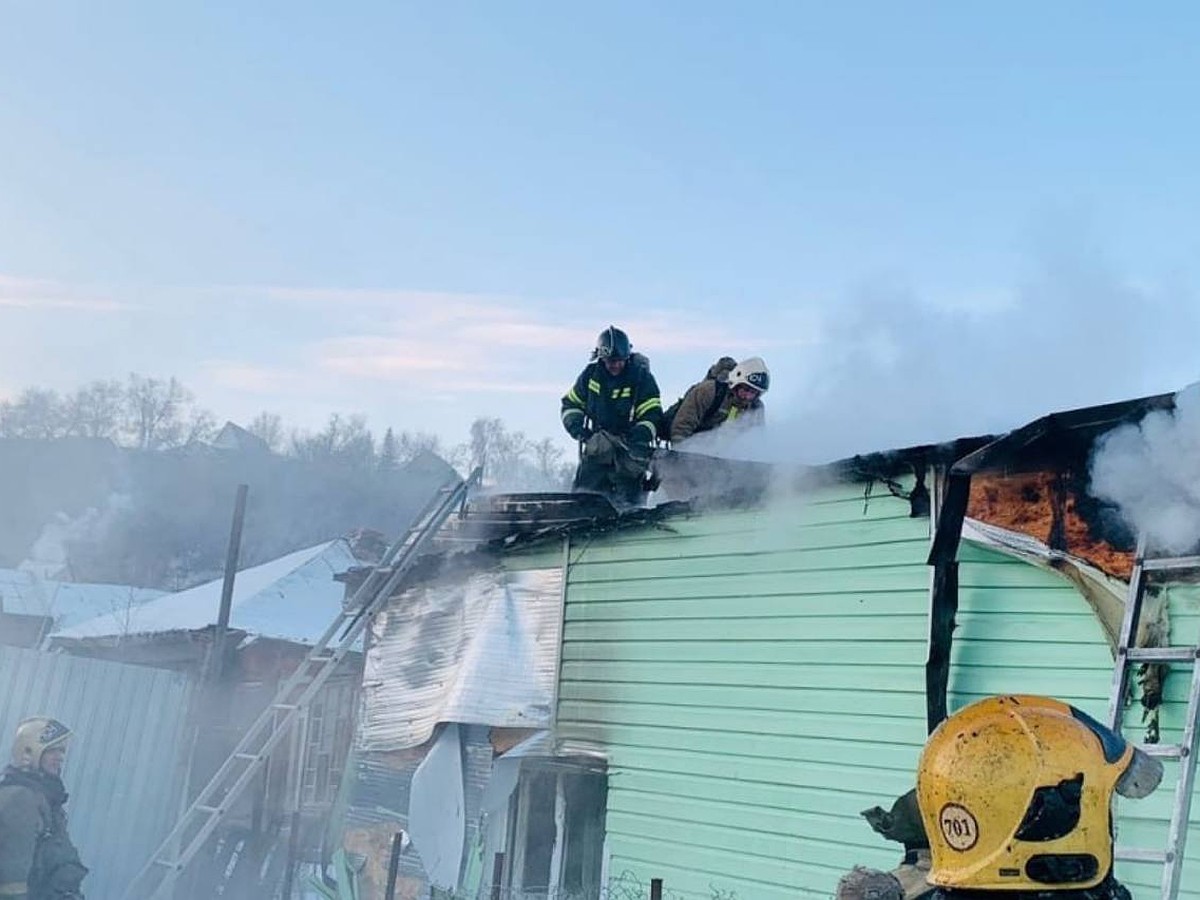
168,863
1170,858
1171,564
1140,854
210,810
1163,654
249,757
1164,751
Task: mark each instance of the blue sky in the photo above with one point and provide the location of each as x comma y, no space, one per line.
930,219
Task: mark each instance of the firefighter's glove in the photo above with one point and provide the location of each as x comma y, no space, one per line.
578,430
599,448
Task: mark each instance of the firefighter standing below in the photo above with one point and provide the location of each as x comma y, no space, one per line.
720,399
613,410
37,859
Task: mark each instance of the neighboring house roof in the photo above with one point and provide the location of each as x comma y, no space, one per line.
292,598
234,437
65,602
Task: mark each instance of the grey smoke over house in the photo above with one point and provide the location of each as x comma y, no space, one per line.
1151,472
893,366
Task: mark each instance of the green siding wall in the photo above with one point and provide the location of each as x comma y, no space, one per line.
756,679
1023,630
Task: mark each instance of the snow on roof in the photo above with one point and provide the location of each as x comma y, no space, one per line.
67,603
292,598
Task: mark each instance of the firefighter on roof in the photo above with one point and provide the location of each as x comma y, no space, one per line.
613,410
730,394
37,859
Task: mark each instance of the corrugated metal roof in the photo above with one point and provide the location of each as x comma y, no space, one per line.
292,598
481,650
66,602
123,763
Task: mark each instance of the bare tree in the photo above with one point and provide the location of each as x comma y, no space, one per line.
345,440
95,410
37,413
412,444
201,426
269,427
548,457
154,411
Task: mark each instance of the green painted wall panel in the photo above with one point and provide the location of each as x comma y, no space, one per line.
757,679
731,670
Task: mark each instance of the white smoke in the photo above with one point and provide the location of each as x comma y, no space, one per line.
49,558
1151,472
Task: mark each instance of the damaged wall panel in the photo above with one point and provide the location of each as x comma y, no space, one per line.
476,649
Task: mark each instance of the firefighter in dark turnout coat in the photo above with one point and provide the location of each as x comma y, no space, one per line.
37,859
613,410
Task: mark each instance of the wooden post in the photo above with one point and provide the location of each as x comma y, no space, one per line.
231,564
393,867
497,875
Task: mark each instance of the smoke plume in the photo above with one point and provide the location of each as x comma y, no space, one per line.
1151,472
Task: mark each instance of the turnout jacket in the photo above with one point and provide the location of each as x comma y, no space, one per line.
626,405
37,859
708,404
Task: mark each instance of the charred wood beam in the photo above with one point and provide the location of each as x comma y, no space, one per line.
943,608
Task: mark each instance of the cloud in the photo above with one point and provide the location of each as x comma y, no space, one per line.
44,294
252,378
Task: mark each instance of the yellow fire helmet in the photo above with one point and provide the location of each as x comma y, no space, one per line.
34,737
1015,793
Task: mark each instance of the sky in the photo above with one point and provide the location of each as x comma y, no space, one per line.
930,219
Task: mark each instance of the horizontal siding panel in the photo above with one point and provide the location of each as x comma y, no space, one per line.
799,749
832,627
895,652
795,559
822,584
821,674
849,801
705,605
601,554
881,729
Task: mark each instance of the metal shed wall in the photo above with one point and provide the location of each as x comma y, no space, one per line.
123,767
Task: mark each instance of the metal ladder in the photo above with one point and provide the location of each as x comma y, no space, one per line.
239,770
1127,655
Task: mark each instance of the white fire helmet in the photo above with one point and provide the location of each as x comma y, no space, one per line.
752,372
